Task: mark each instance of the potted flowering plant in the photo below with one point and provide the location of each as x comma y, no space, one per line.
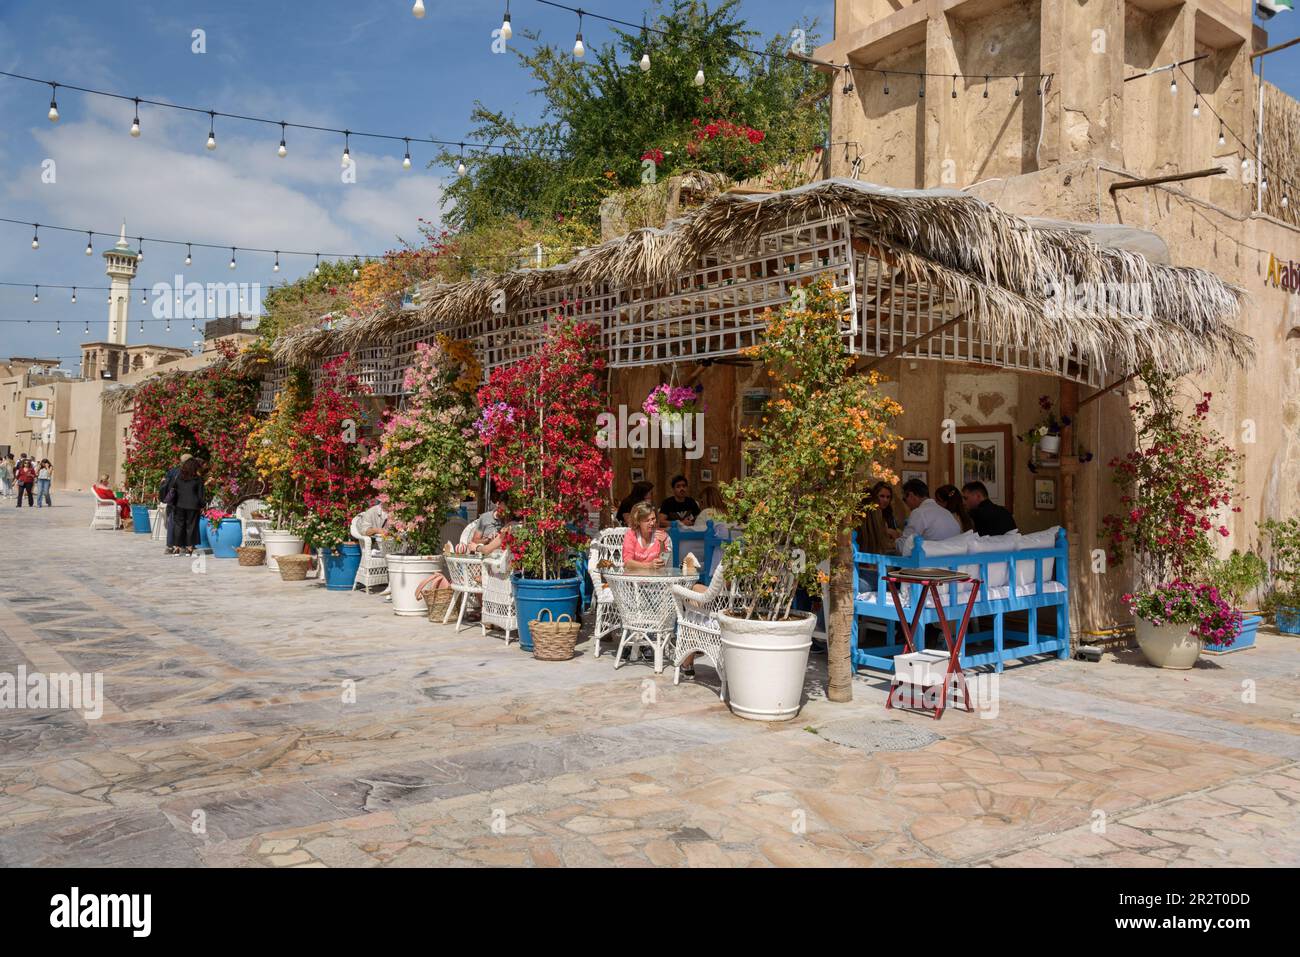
539,426
1175,486
225,532
670,404
427,455
1047,433
269,448
825,429
1182,616
1283,599
1237,577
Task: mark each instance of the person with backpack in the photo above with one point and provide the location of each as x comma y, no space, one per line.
25,475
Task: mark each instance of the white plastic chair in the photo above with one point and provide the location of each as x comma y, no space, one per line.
465,572
106,513
606,546
373,569
499,595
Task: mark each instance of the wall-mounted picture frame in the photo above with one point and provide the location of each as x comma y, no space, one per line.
906,475
714,452
706,475
638,451
916,450
748,452
982,453
1045,494
638,475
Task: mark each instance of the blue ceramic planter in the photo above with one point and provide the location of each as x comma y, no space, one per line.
140,519
341,566
226,539
1245,638
560,595
1288,620
203,534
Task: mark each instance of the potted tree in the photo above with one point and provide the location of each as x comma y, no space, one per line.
427,455
1283,599
1175,487
270,448
539,426
826,431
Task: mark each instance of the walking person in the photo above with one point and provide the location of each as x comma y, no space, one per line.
186,499
6,475
26,478
164,496
44,475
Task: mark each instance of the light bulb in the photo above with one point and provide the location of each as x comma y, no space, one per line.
1196,108
232,259
579,50
1222,140
417,11
144,301
406,160
355,272
276,267
188,258
36,242
135,127
74,293
1286,201
460,169
347,157
1173,86
283,151
36,297
90,249
506,32
57,330
699,77
645,62
212,140
54,111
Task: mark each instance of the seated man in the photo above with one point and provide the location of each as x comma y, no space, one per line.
989,517
373,523
929,520
678,507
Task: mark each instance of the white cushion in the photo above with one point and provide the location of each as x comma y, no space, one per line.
998,575
957,545
1044,539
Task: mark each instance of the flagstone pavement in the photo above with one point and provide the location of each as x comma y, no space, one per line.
229,738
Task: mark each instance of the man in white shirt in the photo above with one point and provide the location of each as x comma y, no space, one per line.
928,519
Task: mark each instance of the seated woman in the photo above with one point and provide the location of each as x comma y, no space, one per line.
646,548
104,490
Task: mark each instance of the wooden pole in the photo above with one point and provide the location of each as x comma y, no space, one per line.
1069,468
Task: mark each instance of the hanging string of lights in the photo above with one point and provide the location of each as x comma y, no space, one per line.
189,246
283,149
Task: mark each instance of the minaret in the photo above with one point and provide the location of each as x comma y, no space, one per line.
121,261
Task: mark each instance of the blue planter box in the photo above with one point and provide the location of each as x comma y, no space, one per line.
140,519
226,539
204,542
1288,620
1246,639
341,566
560,595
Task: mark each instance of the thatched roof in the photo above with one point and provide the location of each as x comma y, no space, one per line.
995,266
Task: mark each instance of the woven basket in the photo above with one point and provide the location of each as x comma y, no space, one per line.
436,599
251,554
294,568
553,638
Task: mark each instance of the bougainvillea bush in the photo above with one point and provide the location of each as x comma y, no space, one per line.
539,425
428,455
327,450
208,414
270,448
1212,619
825,435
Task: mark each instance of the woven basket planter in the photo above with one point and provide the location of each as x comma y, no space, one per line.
437,601
294,568
553,638
250,555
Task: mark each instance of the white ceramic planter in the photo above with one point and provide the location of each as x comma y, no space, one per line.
1051,444
279,543
765,662
1168,646
405,572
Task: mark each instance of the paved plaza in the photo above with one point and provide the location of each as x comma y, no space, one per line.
229,738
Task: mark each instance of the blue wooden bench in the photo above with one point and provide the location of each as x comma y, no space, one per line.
711,540
873,601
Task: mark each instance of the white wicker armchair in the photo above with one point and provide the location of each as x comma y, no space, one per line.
499,595
697,626
373,569
465,572
607,546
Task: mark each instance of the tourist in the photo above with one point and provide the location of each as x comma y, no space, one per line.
950,498
712,502
6,475
104,490
640,493
173,546
928,520
488,538
645,544
373,523
44,475
878,532
25,476
679,507
186,501
990,518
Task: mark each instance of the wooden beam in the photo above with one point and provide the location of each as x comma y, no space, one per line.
1275,48
1172,178
1110,388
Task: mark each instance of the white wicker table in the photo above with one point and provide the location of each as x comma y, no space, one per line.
646,609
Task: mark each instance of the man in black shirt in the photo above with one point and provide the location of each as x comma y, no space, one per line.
989,517
679,507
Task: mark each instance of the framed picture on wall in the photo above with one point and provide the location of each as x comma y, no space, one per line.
982,453
713,453
906,475
706,475
1045,494
638,451
916,450
638,475
748,451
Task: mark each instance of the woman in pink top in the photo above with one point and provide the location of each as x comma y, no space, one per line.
645,544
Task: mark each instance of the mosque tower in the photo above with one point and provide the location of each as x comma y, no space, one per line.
122,261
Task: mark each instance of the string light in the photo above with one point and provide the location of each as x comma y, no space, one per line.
54,106
1173,86
417,11
1017,86
986,86
57,330
920,90
954,86
276,267
460,167
347,155
135,123
212,130
189,257
36,297
1221,138
699,76
316,271
1196,105
141,325
139,254
283,151
406,160
506,31
144,301
90,244
36,235
74,293
86,331
579,51
848,80
232,257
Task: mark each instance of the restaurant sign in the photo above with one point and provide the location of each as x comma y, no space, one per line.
1283,275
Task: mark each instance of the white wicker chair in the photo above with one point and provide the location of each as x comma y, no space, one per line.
106,513
499,595
606,546
646,609
373,569
468,532
158,531
253,527
465,572
697,627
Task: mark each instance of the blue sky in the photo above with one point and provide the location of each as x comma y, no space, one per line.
338,63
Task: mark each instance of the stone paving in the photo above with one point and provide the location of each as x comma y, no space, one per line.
227,740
